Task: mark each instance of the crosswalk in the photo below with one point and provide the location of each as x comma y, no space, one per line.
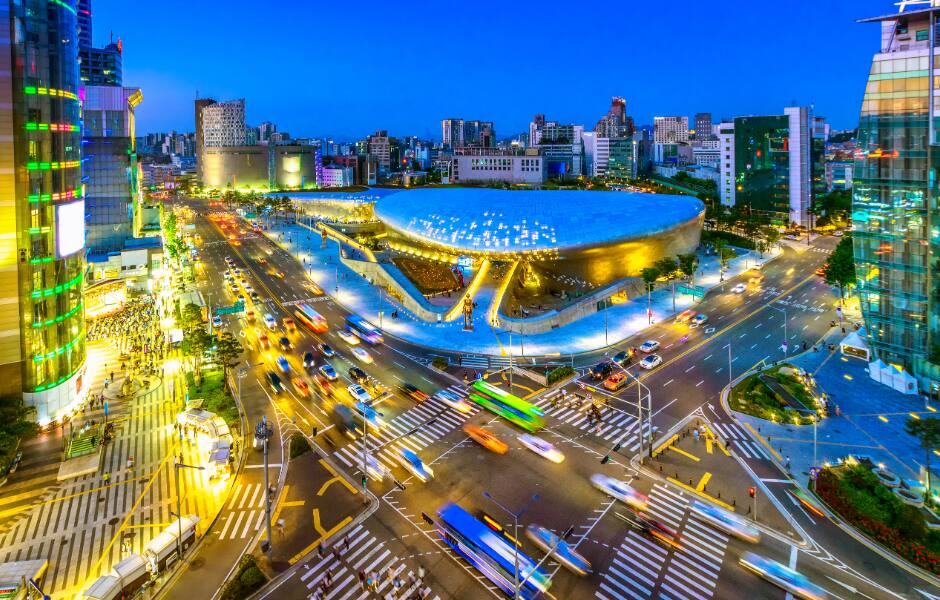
737,439
644,568
614,425
417,428
244,512
394,577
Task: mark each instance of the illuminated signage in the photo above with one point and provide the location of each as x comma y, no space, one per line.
70,228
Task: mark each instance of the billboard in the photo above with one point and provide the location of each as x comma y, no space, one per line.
70,228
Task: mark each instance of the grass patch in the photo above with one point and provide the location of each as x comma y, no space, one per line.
754,397
298,445
247,580
214,394
440,363
860,498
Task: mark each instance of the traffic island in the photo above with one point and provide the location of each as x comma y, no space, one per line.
780,394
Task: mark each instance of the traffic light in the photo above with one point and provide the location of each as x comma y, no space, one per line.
427,519
752,491
618,446
365,480
605,460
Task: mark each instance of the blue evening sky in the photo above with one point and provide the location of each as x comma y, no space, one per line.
345,69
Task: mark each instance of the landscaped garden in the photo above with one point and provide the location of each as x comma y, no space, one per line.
854,492
757,397
214,394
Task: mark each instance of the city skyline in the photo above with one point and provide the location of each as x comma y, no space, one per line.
658,75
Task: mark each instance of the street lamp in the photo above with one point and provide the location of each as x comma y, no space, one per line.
179,464
640,387
515,532
263,433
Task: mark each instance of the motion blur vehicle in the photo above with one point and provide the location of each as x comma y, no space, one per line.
217,321
649,346
309,360
323,384
783,577
726,521
358,393
653,527
347,422
285,343
314,289
347,337
620,490
327,370
651,361
616,381
821,271
414,465
413,392
326,350
685,316
269,321
357,374
622,358
699,320
264,342
278,273
371,416
541,447
376,469
739,289
274,379
290,324
563,553
362,355
454,401
756,279
301,387
282,364
486,439
601,370
250,316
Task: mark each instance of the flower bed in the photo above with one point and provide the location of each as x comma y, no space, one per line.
754,397
857,496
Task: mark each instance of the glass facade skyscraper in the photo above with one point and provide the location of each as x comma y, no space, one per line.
894,207
762,164
42,257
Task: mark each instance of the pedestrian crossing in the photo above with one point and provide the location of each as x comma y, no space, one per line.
244,512
644,568
416,429
335,572
613,426
737,439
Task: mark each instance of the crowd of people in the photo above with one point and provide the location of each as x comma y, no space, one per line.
135,332
413,589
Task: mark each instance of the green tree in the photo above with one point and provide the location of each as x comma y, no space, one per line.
668,268
228,349
927,432
650,275
191,317
688,264
840,270
16,424
721,248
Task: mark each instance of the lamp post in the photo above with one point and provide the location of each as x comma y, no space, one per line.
515,532
640,387
179,464
263,433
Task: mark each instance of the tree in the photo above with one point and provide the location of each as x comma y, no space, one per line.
840,270
927,432
228,349
191,317
16,424
688,264
720,247
650,275
667,266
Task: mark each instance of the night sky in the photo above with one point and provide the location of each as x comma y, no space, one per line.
345,69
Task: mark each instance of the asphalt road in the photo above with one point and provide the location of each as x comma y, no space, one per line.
690,378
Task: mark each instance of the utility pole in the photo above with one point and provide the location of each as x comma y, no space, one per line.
262,434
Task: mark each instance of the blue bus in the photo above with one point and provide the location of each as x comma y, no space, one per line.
364,330
489,552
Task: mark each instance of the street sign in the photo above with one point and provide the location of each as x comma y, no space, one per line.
238,307
693,290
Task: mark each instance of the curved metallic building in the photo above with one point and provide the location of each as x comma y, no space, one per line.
598,236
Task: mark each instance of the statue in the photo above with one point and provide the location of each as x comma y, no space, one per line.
467,313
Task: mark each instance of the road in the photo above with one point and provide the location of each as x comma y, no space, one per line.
626,563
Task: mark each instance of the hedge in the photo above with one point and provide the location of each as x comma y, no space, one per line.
247,580
559,374
298,445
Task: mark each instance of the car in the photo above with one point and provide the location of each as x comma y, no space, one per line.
757,279
541,447
376,469
783,577
327,370
548,542
792,237
486,439
275,380
254,296
326,350
323,384
649,346
248,288
620,490
413,392
726,521
269,321
309,360
621,358
348,337
601,370
278,273
616,381
314,289
454,401
838,233
414,465
217,321
655,528
821,271
651,361
233,288
357,374
282,363
685,316
285,343
290,324
264,342
739,289
301,387
362,355
262,261
364,407
699,319
250,316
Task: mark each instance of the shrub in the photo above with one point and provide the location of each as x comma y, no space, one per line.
215,395
440,363
298,445
559,373
247,580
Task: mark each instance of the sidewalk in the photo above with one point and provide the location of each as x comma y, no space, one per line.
598,330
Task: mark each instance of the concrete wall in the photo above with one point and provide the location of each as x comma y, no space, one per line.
390,278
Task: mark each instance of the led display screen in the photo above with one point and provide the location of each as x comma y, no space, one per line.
70,228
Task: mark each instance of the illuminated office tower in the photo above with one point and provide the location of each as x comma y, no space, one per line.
42,216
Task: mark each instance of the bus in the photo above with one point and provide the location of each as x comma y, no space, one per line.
489,552
364,330
311,318
512,408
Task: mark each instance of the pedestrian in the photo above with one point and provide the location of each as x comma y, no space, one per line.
320,551
421,573
362,580
346,543
374,576
336,552
388,573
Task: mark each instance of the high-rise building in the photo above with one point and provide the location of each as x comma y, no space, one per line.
616,123
42,249
83,16
199,105
457,133
379,148
703,126
265,129
109,166
452,133
895,213
223,124
99,66
670,130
